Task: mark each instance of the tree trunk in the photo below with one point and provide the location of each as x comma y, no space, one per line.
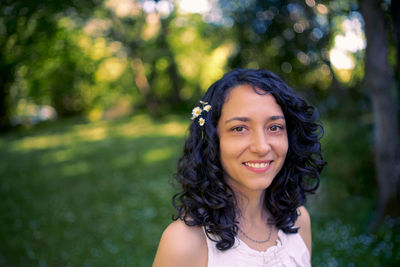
4,108
172,69
144,87
6,79
379,80
395,14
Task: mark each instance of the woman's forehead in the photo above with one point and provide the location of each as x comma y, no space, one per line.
244,99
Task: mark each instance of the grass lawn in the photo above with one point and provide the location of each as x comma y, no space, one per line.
75,193
87,194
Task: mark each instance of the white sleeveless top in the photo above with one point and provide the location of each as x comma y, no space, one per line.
290,250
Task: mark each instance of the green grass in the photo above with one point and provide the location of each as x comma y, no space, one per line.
99,194
87,194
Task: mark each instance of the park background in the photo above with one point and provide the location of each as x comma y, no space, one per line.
96,99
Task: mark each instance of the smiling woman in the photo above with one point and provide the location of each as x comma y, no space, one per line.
253,139
244,173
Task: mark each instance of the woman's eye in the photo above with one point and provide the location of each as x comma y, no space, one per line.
238,129
275,128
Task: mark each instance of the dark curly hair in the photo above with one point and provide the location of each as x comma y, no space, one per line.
207,200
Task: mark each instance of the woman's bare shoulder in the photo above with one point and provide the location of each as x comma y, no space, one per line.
181,245
304,224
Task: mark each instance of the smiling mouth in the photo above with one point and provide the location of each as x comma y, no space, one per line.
257,165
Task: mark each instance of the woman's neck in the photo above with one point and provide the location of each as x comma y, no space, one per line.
251,208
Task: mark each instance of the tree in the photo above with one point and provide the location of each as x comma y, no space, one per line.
395,17
287,37
380,82
25,23
144,35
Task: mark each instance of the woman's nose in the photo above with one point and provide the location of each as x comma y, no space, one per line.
260,143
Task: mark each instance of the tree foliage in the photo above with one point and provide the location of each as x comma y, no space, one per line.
25,25
288,37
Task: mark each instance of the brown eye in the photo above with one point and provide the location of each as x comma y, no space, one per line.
238,129
276,128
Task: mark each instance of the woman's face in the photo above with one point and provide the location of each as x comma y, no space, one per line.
253,139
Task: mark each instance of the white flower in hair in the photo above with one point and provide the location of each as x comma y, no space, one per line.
201,121
196,112
203,102
207,108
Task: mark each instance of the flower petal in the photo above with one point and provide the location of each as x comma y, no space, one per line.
202,121
196,112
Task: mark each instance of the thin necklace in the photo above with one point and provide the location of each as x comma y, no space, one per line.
257,241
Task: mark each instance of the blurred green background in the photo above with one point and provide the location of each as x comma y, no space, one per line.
95,101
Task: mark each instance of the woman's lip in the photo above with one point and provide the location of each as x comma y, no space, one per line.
258,169
258,161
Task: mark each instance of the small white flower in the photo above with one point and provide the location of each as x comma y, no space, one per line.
201,121
203,103
207,108
196,112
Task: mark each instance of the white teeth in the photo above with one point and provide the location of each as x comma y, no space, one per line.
257,165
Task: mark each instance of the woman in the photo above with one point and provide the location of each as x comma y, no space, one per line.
252,154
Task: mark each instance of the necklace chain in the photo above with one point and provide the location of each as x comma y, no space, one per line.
257,241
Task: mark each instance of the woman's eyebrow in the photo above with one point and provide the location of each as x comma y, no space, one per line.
275,118
246,119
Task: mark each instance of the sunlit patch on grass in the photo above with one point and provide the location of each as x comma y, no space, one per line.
75,169
81,133
142,125
158,154
95,134
41,142
173,129
90,133
139,126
